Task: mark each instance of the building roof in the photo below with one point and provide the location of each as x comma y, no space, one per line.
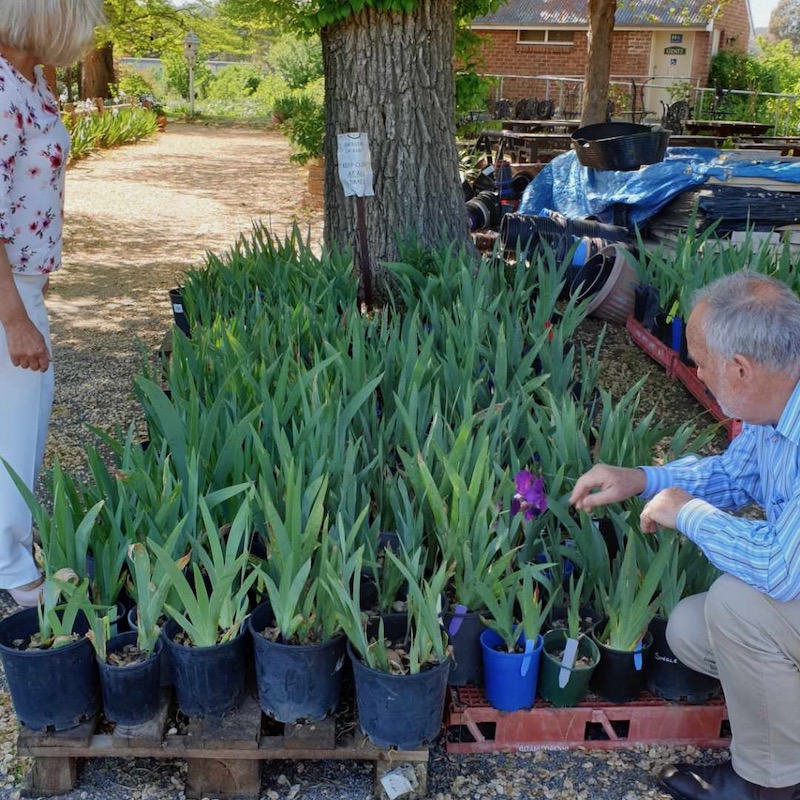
636,13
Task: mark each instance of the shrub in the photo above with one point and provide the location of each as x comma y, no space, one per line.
305,127
134,84
176,75
272,87
297,61
235,82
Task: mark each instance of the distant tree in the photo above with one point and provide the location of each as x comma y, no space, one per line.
598,60
145,27
784,22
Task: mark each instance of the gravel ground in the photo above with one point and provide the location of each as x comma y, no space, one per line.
138,217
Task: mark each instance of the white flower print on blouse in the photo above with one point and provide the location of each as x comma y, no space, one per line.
34,145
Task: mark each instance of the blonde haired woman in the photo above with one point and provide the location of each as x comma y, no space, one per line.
33,150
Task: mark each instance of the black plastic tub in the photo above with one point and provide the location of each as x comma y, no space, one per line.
622,146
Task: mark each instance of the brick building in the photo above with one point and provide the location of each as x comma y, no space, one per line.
538,48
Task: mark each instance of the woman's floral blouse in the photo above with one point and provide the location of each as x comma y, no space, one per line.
33,152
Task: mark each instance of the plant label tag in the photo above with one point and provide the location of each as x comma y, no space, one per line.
339,664
637,657
526,662
458,618
439,610
396,784
355,165
177,308
570,651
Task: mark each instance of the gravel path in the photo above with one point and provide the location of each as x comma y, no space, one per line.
138,217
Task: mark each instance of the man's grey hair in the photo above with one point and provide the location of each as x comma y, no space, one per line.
754,316
57,32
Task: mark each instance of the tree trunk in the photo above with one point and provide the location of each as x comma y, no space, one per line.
97,72
391,75
598,63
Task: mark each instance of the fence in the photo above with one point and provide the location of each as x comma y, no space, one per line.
629,94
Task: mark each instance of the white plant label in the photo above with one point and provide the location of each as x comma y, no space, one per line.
570,651
396,784
355,164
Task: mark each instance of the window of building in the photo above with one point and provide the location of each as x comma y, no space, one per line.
548,36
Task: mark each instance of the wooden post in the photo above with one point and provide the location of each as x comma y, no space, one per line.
223,778
363,252
51,776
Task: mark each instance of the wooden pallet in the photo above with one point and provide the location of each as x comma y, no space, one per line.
473,726
223,756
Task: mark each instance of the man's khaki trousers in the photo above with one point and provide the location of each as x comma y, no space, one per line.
752,644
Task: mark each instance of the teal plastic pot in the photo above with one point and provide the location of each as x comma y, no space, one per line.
509,678
550,670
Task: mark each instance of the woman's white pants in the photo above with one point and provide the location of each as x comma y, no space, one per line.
26,398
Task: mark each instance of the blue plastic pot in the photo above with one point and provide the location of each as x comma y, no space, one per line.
509,678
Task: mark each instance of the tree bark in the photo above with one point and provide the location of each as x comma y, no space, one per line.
391,75
97,72
598,61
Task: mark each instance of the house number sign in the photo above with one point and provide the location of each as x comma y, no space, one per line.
674,51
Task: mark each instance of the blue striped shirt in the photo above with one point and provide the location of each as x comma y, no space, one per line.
761,465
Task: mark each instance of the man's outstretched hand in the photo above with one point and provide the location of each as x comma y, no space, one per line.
602,485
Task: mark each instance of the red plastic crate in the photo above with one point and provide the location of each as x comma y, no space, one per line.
473,726
687,375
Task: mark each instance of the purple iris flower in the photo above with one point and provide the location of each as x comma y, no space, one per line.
530,494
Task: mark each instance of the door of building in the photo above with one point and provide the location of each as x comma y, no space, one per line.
670,66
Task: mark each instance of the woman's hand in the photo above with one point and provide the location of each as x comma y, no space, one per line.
26,345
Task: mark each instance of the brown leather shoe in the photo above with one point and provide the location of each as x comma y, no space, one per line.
717,782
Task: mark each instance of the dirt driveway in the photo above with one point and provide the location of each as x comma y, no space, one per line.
137,217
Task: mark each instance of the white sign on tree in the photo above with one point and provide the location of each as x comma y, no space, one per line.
355,165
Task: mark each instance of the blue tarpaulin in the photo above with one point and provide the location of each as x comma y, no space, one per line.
578,192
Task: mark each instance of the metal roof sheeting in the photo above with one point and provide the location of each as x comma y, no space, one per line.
559,13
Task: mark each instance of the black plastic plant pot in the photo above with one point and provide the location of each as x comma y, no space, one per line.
295,682
667,677
130,693
165,679
620,675
51,689
403,711
589,617
464,629
577,677
209,681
